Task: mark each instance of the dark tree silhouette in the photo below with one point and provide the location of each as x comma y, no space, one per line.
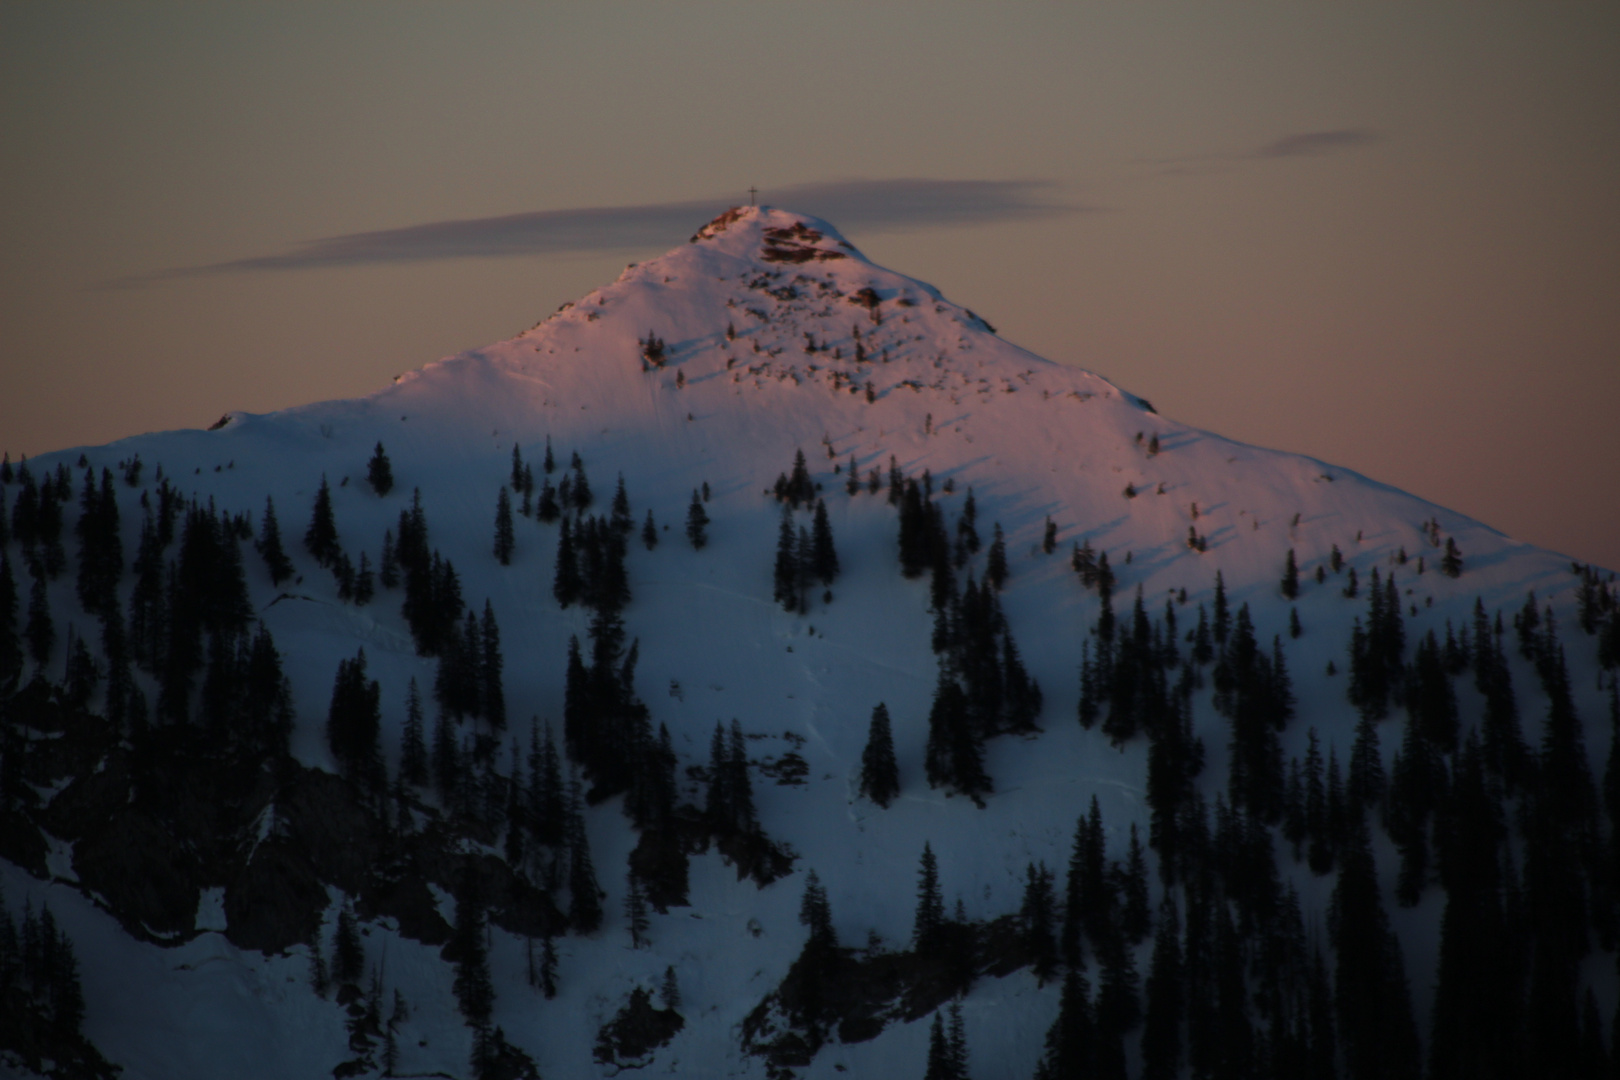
880,775
321,538
379,473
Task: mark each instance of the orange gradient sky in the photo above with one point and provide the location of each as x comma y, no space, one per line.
1386,235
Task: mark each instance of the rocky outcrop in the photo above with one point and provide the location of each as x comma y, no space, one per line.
629,1039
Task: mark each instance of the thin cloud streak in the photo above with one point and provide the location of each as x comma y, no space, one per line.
1294,145
873,205
1311,143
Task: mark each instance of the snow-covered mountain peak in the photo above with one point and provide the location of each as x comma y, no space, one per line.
767,346
776,235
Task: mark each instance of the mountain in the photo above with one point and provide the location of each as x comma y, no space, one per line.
201,831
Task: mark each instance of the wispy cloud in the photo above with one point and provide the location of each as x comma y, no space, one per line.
1312,143
871,205
1294,145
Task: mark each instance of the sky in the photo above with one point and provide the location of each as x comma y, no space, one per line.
1386,235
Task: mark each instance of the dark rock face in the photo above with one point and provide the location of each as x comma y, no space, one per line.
144,874
410,903
659,862
275,900
335,831
854,997
22,843
629,1039
91,800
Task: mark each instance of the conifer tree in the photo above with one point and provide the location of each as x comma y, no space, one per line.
40,631
348,956
785,576
1161,1028
1203,649
804,555
354,722
995,568
967,533
697,522
619,515
958,1043
1317,826
1560,841
717,804
584,894
1371,993
548,508
1430,698
1223,618
547,804
1038,914
321,538
474,989
379,472
1119,1011
1451,564
343,574
1089,901
739,789
1088,688
11,647
1255,695
413,757
635,912
1071,1040
1290,580
49,528
649,532
1294,629
940,1065
447,765
824,557
101,553
954,757
1366,782
388,564
671,990
1475,1021
548,968
319,977
582,496
504,537
517,467
550,462
492,695
566,583
880,775
815,914
1049,536
1134,918
929,923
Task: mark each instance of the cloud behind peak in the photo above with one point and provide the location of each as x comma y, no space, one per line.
872,205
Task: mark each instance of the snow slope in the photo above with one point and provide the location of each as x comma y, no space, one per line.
1030,437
